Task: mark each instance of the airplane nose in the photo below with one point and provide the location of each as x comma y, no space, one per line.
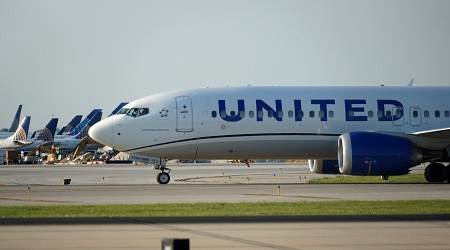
102,132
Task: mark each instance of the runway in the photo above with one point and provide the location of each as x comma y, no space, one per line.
130,184
190,183
319,233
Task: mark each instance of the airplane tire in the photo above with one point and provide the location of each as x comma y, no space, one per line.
435,172
163,178
447,174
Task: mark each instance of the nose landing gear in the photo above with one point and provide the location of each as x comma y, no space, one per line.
163,177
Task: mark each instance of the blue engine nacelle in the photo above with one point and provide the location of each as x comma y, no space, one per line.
367,153
324,166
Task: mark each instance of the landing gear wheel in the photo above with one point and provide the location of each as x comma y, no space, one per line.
447,174
163,178
435,172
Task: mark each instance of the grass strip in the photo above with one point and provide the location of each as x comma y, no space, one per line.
231,209
409,178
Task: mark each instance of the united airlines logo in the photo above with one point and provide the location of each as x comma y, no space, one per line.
20,135
355,110
45,135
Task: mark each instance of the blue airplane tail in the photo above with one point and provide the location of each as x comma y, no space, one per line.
118,108
97,117
22,130
48,133
83,123
15,122
72,124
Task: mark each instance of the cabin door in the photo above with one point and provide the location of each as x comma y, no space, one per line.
184,114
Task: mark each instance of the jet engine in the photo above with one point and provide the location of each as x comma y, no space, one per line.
320,166
368,153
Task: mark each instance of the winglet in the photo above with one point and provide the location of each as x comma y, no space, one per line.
410,84
15,122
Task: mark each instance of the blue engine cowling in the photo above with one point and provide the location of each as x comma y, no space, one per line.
320,166
368,153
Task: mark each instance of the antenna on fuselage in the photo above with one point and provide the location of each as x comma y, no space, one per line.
411,83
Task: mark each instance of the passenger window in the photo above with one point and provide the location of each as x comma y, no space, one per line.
388,114
233,114
370,114
398,114
223,114
270,113
214,114
351,114
447,113
260,114
379,114
437,113
311,114
290,113
426,113
415,114
331,113
321,114
241,114
251,114
280,114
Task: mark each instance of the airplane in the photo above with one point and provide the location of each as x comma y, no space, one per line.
373,130
71,125
45,137
14,124
71,142
19,138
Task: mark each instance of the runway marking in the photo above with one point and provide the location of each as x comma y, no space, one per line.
294,196
209,234
33,200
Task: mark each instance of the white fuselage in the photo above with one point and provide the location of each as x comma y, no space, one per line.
271,122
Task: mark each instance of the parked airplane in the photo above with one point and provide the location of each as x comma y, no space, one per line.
14,124
80,126
19,138
350,130
71,142
45,137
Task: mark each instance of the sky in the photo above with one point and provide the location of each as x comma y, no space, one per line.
62,58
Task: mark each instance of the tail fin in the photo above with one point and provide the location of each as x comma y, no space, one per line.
97,117
118,108
15,122
48,133
33,135
71,125
22,130
83,123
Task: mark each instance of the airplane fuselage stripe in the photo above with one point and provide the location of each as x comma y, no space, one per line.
231,136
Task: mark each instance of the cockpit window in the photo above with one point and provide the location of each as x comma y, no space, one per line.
122,111
136,112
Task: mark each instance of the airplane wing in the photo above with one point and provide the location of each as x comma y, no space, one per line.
22,143
443,133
